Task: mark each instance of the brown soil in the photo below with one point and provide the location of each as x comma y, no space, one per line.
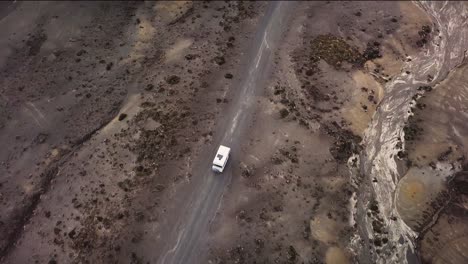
105,107
293,203
116,128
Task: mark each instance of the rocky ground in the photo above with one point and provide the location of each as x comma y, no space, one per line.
102,110
294,200
437,145
105,107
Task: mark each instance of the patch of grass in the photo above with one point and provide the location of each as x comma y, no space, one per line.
334,50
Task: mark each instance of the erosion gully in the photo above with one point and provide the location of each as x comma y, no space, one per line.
378,158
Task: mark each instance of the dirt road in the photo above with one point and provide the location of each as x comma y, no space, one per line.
206,196
111,112
82,109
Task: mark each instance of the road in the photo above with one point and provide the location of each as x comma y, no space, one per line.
184,242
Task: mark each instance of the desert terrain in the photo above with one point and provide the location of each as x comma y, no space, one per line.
347,123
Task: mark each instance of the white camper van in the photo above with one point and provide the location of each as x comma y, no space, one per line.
221,158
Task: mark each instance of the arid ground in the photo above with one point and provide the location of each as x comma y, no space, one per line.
347,122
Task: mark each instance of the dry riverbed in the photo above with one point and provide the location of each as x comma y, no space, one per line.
294,200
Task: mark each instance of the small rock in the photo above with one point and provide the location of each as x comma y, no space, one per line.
425,88
160,188
247,171
292,254
81,52
219,60
149,87
173,79
284,113
122,116
190,56
72,234
41,138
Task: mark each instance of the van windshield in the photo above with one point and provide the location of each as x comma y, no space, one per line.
217,166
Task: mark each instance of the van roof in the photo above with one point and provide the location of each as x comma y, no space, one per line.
221,155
